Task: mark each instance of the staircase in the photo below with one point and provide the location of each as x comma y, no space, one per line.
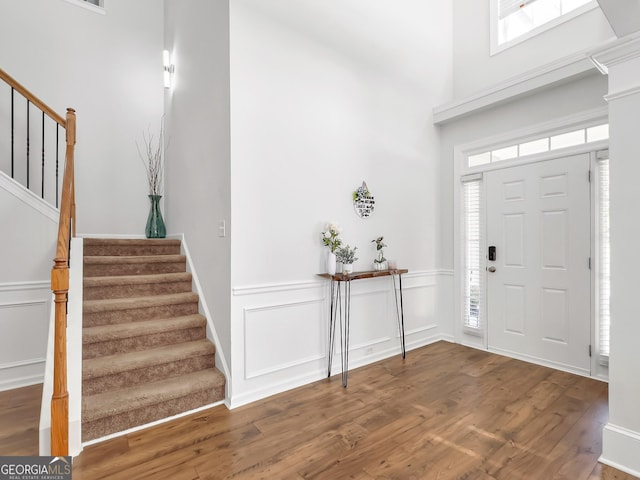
145,351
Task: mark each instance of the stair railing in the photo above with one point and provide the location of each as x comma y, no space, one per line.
42,134
60,270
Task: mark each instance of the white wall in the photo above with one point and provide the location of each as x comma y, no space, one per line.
107,67
325,95
197,118
475,69
27,248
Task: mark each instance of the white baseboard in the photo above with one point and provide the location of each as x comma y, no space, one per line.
540,361
25,381
620,448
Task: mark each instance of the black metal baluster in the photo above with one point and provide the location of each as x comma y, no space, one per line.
57,151
42,190
12,132
28,103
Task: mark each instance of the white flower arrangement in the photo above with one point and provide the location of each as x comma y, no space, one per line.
331,236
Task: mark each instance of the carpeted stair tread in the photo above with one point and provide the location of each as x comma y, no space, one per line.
111,265
127,286
130,241
131,259
118,331
123,362
96,282
114,304
116,246
115,402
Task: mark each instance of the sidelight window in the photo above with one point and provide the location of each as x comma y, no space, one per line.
472,275
604,261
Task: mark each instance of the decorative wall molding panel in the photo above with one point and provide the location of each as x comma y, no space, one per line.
295,324
24,313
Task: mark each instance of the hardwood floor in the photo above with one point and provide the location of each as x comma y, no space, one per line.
446,412
19,420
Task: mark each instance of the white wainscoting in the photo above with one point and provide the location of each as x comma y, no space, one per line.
24,326
280,332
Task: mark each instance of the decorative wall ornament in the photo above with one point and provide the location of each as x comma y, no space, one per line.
363,201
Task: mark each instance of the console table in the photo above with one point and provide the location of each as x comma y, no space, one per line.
341,309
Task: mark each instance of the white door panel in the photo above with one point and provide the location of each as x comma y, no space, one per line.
538,217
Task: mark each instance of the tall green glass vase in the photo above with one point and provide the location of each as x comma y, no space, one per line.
155,224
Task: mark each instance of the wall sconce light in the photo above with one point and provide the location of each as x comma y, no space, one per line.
168,68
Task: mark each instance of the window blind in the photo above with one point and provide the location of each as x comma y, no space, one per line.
507,7
604,269
473,279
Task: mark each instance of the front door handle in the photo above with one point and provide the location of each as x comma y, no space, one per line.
492,269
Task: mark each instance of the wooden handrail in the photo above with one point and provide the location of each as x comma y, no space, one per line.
32,98
60,288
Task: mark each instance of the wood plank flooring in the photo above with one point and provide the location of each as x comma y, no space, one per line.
19,420
446,412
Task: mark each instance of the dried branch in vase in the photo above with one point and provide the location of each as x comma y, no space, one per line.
152,159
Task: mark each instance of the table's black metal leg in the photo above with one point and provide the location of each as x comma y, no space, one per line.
400,313
345,333
332,325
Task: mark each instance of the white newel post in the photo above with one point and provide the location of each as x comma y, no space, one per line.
621,435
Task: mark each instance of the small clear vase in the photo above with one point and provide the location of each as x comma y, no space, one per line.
155,224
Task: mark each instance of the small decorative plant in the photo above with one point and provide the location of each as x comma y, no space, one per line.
379,263
346,255
152,159
331,237
379,246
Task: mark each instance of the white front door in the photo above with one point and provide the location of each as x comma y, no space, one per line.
538,286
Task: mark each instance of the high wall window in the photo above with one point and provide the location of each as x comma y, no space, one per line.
516,20
94,5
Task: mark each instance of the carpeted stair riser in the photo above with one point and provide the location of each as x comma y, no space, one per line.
134,344
123,421
152,373
110,266
100,291
111,317
98,247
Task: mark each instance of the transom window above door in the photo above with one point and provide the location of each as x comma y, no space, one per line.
513,21
541,145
